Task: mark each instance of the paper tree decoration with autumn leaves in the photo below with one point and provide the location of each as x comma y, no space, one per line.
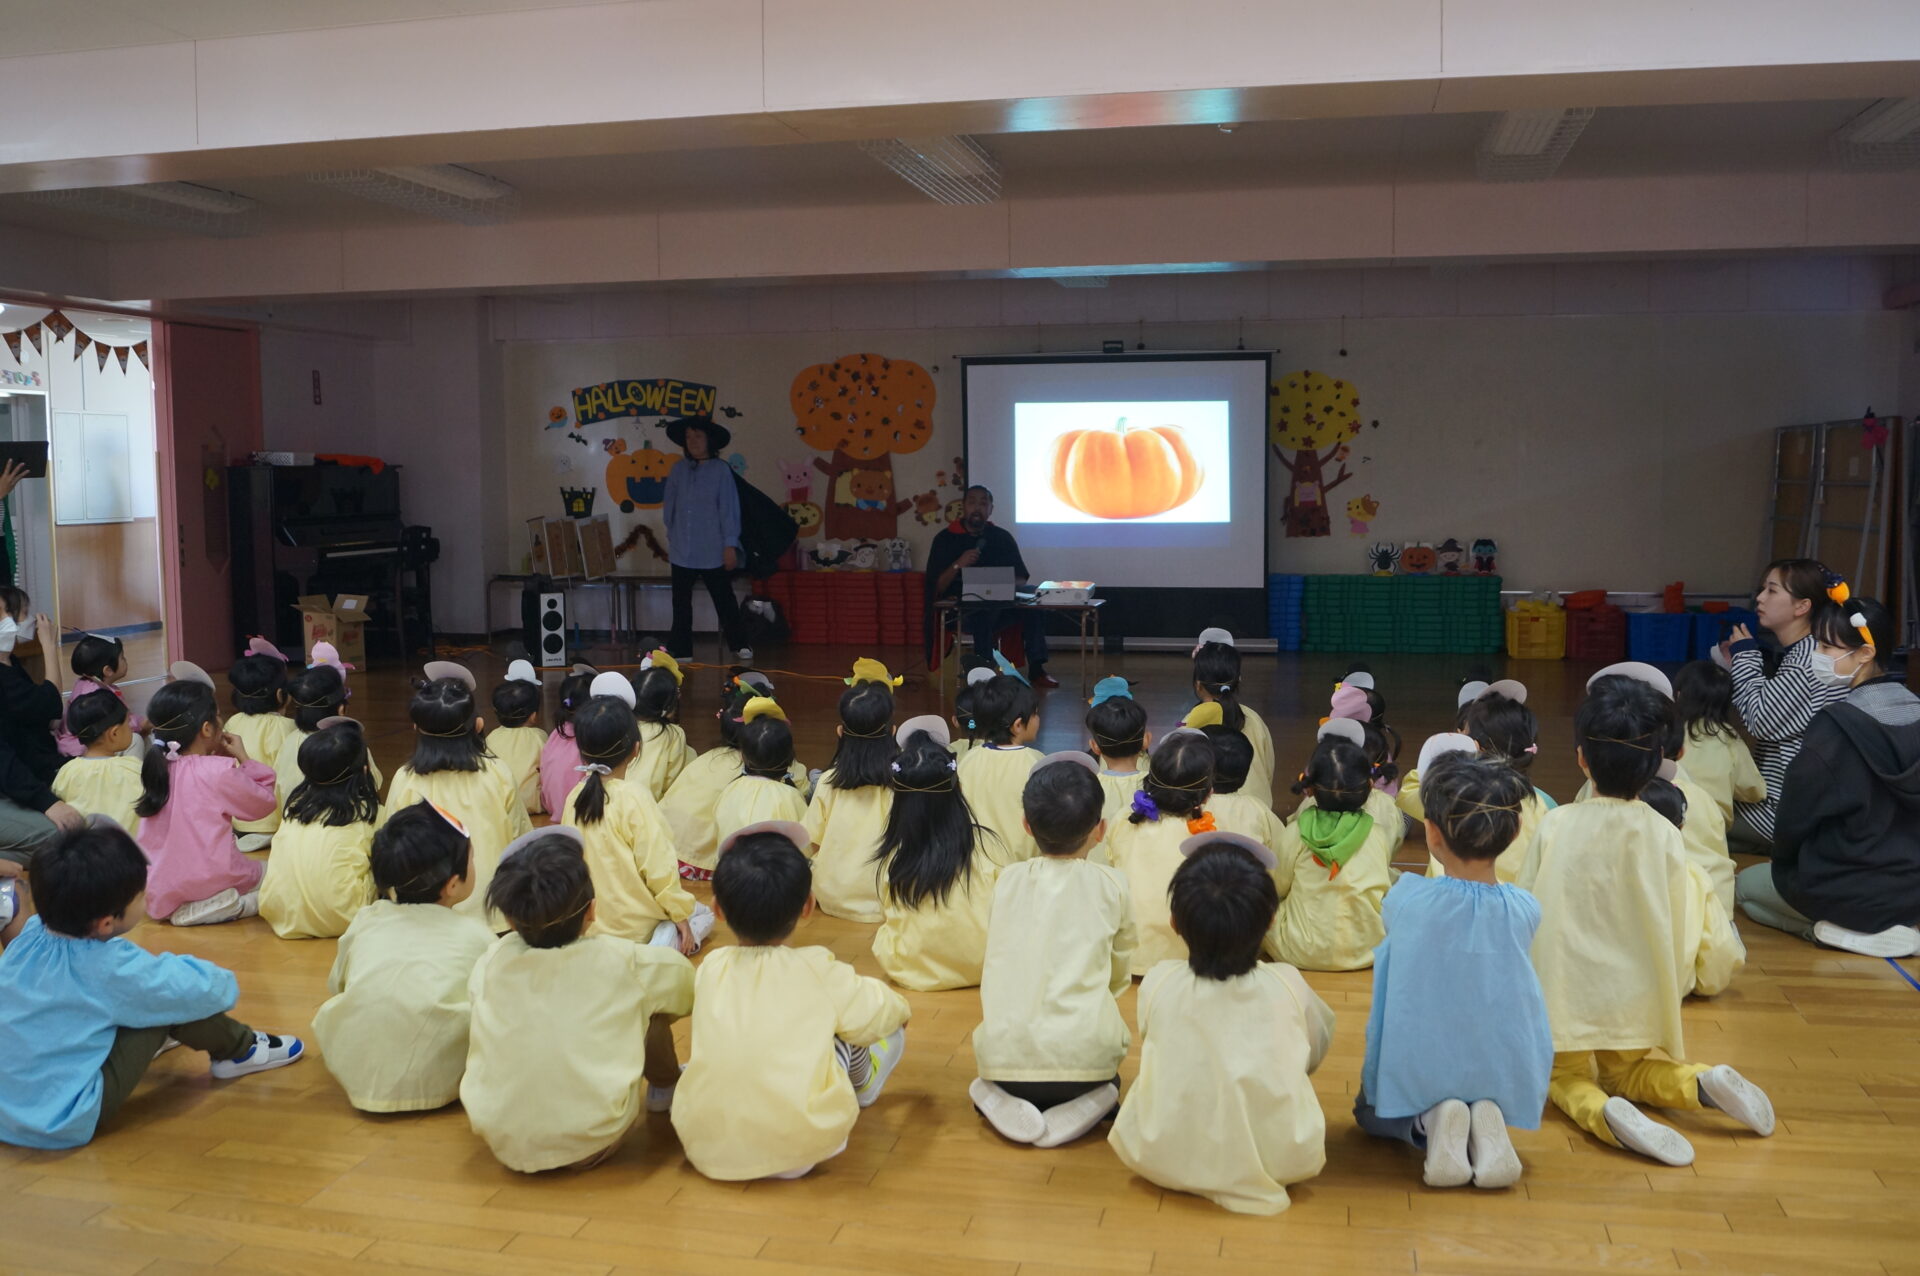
863,408
1310,418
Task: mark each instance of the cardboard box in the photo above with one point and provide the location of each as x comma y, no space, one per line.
540,563
596,546
342,622
563,547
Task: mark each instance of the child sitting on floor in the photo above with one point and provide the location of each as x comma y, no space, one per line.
1233,809
518,740
848,814
318,877
1614,975
194,783
937,868
1222,1106
98,663
1168,809
994,771
1503,729
316,695
1458,1044
87,1010
966,723
394,1031
1059,951
765,788
664,752
690,804
559,756
567,1027
259,682
629,848
1216,679
1335,863
1718,758
103,780
789,1044
1118,736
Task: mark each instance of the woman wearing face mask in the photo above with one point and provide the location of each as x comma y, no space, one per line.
1846,860
30,815
1795,596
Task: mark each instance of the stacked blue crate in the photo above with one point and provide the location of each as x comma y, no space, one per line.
1285,595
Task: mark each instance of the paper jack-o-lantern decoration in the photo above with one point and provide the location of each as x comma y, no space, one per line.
1125,473
639,479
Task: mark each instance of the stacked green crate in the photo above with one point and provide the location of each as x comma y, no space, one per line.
1420,613
1412,614
1474,622
1371,612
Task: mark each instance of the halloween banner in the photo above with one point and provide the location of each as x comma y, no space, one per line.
658,396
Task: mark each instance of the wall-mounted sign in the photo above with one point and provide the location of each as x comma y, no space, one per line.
658,396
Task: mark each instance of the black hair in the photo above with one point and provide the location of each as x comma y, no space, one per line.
1118,726
927,848
731,706
1621,729
85,875
94,654
1476,800
15,600
93,715
866,738
1232,758
516,702
1216,669
977,487
1179,775
1834,627
608,735
259,684
1802,578
416,853
965,712
1223,902
1672,735
575,691
177,713
1338,775
544,890
445,738
766,748
1062,803
1381,744
998,703
761,886
656,696
1503,727
337,788
317,694
1703,698
1665,797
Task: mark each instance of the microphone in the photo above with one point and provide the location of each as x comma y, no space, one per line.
980,545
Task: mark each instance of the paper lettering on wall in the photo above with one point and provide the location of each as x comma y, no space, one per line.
656,396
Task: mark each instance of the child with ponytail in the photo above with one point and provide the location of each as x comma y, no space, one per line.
994,772
259,682
1168,809
664,752
1216,677
1334,863
690,802
452,768
560,755
319,693
628,845
765,789
195,782
319,876
848,814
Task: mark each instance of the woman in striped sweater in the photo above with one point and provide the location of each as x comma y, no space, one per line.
1777,709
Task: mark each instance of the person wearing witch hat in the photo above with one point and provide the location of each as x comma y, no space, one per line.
702,514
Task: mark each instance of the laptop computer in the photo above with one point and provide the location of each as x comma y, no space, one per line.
986,584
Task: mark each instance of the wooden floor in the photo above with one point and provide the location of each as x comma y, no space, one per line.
277,1173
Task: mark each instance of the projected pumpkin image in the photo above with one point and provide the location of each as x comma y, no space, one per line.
1126,472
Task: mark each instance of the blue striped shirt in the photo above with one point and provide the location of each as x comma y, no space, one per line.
702,509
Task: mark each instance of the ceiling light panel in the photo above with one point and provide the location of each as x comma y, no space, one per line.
1885,135
445,191
182,206
947,170
1528,146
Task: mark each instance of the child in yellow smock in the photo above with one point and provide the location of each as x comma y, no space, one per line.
851,803
259,682
567,1027
394,1030
1501,727
1118,736
789,1044
1629,927
1233,809
1216,679
313,696
1168,809
1335,863
966,727
637,890
1222,1106
1718,759
765,789
664,751
691,800
1059,952
452,768
318,877
101,781
994,771
517,739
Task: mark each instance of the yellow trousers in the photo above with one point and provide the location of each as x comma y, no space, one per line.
1583,1081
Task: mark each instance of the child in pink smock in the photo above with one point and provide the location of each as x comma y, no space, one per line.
560,756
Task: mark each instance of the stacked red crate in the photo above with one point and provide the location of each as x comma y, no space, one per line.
902,598
1597,633
856,607
810,615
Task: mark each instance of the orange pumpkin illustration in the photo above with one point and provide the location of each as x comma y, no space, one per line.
1125,473
638,480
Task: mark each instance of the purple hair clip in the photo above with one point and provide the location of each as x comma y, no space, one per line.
1143,804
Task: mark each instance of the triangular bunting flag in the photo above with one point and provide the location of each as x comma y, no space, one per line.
101,349
80,343
13,344
121,353
33,335
140,353
59,325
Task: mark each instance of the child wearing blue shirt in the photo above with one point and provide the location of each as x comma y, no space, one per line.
87,1010
1458,1043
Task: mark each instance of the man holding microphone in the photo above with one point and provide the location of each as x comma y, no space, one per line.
976,541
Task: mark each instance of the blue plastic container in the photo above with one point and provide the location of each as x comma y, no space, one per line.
1660,638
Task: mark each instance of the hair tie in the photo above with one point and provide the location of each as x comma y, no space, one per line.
344,776
1532,748
173,750
447,735
1203,823
1143,804
866,735
594,768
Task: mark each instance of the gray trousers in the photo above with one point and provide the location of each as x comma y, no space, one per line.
23,832
1754,892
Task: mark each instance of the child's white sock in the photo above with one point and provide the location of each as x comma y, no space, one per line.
1015,1119
1495,1163
1068,1121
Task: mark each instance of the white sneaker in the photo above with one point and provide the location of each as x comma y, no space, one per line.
1068,1121
883,1056
224,907
744,655
249,904
1448,1123
268,1052
165,1046
1640,1133
1723,1088
255,841
1015,1119
1495,1163
1894,941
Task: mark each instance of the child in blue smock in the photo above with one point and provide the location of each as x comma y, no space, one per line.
87,1009
1458,1044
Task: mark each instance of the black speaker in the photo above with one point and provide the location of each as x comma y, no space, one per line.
553,630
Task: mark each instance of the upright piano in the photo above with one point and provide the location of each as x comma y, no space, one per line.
308,529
